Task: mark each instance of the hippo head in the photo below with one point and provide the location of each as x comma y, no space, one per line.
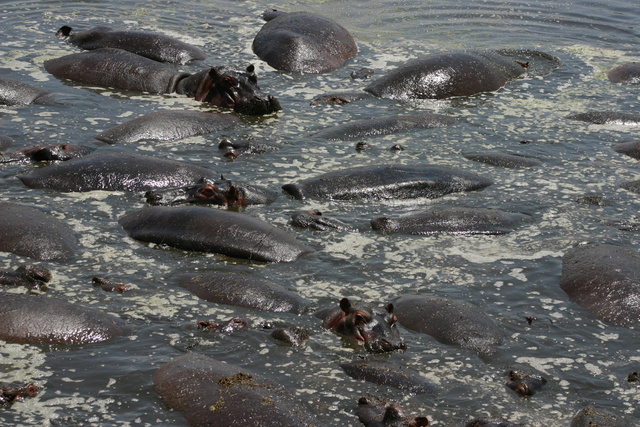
376,412
46,153
236,89
376,331
221,192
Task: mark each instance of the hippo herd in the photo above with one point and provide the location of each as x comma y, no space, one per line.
602,278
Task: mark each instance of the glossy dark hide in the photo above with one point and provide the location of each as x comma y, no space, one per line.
168,125
607,118
29,232
244,291
115,172
13,92
631,149
303,42
505,160
376,412
316,221
28,319
604,279
29,276
385,125
593,417
389,374
625,73
158,47
215,393
46,153
491,422
450,322
203,229
446,75
388,182
525,382
452,221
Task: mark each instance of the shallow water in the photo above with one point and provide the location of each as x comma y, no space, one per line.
510,277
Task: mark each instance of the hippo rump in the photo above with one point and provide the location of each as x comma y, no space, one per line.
29,319
243,290
169,125
604,279
375,412
449,74
46,153
158,47
119,69
303,42
28,231
14,92
389,374
450,322
223,192
451,221
112,171
625,73
383,182
504,160
374,329
196,228
215,393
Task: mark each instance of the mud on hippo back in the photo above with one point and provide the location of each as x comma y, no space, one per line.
119,69
365,326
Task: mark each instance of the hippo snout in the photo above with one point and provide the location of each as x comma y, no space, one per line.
258,106
384,345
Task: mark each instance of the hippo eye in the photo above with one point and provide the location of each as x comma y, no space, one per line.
229,80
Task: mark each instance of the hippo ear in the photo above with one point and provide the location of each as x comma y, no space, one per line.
251,69
345,305
389,308
206,83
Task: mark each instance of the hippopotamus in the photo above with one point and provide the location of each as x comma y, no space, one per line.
28,231
631,149
604,279
10,393
592,417
5,142
607,118
525,382
109,285
31,276
375,330
505,160
625,73
633,186
158,47
216,393
446,75
303,42
451,221
392,375
491,422
382,182
111,171
29,319
46,153
168,125
316,221
223,192
450,322
234,149
294,336
243,290
197,228
119,69
14,92
385,125
376,412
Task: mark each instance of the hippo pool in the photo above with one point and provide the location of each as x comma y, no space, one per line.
572,195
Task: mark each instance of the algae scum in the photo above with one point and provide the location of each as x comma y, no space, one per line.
574,197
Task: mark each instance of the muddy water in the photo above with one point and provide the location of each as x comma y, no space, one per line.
511,277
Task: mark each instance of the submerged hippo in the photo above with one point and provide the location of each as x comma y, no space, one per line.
491,422
303,42
592,417
446,75
46,153
631,149
604,279
376,412
117,68
388,182
243,290
505,160
195,228
392,375
115,172
376,331
28,231
169,125
29,276
316,221
607,118
29,319
221,192
215,393
525,382
13,92
450,322
158,47
452,221
625,73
